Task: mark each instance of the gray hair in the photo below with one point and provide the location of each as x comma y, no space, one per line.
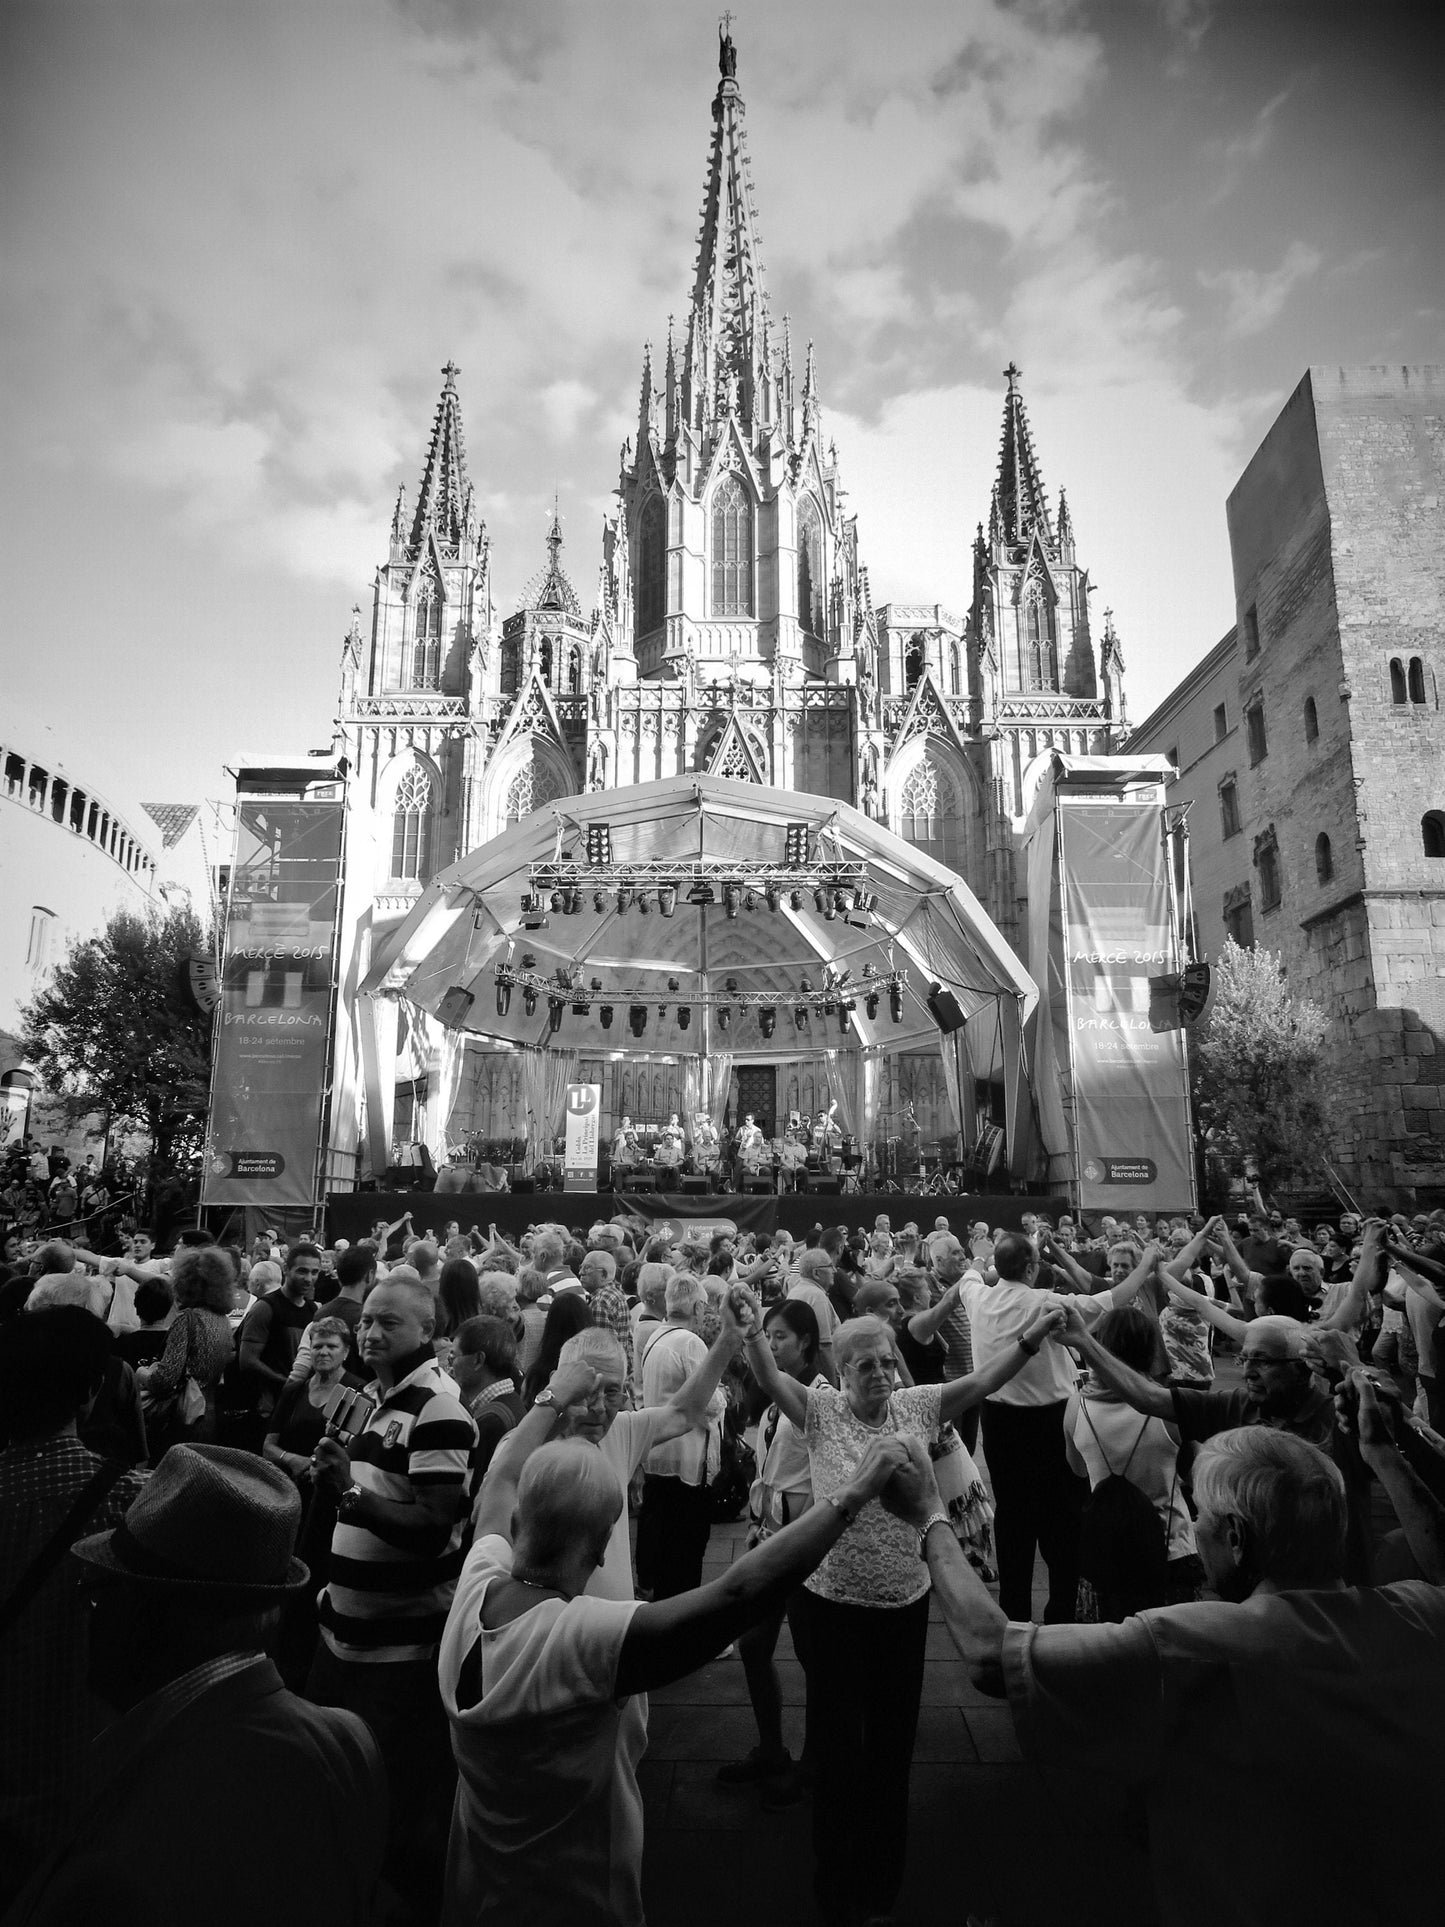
597,1345
685,1293
548,1251
67,1288
652,1285
265,1276
598,1264
567,1493
1289,1494
856,1332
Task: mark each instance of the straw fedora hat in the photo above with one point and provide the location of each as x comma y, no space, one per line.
211,1522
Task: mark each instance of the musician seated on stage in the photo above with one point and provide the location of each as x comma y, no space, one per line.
626,1146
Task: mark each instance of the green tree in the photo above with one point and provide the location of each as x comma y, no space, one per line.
1263,1093
115,1029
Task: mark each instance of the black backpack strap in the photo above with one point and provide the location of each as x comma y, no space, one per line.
1138,1438
1084,1408
88,1501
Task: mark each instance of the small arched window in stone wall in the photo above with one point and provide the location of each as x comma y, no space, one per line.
411,826
1398,690
535,784
1432,832
1324,858
1312,720
930,812
915,661
1416,680
544,660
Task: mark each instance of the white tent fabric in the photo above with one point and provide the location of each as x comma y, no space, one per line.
927,925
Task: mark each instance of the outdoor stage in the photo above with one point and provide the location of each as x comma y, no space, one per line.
351,1214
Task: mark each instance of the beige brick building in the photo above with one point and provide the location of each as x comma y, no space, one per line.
1309,742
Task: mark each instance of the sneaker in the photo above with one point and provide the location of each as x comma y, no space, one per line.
755,1767
782,1790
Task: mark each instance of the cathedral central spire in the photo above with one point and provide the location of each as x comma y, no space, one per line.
1019,500
444,499
726,363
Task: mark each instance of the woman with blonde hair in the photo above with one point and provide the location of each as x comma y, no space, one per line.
179,1390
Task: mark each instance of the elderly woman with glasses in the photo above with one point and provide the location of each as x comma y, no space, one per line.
866,1606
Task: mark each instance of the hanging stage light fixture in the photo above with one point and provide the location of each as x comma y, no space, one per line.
796,899
529,1000
843,1010
795,846
637,1018
724,1017
557,901
831,902
767,1020
701,893
732,899
574,901
504,995
605,1013
800,1017
625,895
644,902
599,902
684,1016
555,1008
895,1002
773,895
822,899
599,846
870,1003
750,900
667,899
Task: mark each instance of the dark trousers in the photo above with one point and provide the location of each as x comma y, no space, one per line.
672,1535
1037,1504
402,1704
865,1675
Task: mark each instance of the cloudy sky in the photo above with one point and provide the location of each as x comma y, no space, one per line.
241,239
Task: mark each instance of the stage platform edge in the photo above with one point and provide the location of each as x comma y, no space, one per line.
351,1214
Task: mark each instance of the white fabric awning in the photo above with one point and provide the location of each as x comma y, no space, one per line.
927,926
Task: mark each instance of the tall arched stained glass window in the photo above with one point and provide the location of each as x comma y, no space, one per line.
652,566
426,648
411,826
732,549
930,812
812,602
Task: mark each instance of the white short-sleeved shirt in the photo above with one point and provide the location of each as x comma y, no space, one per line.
998,1314
876,1561
811,1294
547,1823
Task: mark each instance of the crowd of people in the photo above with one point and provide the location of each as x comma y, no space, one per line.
386,1543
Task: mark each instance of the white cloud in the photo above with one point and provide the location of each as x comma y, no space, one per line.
1255,298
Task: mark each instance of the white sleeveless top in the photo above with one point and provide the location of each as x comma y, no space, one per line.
1118,1431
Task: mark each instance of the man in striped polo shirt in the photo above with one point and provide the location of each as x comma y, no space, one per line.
400,1496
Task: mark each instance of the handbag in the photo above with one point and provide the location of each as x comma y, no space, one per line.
181,1408
88,1501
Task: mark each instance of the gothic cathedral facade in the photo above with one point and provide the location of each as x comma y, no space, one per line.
732,629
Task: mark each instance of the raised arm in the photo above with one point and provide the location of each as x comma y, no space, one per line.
1348,1313
786,1393
1412,1269
961,1394
1179,1266
1217,1316
672,1638
1128,1289
1419,1511
927,1324
1140,1392
1054,1254
568,1384
1232,1258
974,1619
689,1405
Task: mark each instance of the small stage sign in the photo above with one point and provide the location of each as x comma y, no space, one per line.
579,1161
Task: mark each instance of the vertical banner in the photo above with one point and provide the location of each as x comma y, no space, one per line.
1130,1082
268,1078
579,1157
14,1114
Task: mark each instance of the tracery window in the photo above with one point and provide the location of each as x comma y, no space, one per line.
426,648
536,783
812,604
732,549
411,826
930,812
652,566
1040,670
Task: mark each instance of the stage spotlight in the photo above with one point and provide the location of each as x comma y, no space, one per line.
750,899
843,901
529,1000
795,849
773,895
732,899
529,960
895,1003
644,902
701,893
724,1017
596,985
684,1016
625,894
800,1017
767,1020
599,901
504,996
796,899
599,845
843,1010
574,901
555,1008
605,1013
822,899
871,1003
831,904
557,902
662,1013
637,1018
667,899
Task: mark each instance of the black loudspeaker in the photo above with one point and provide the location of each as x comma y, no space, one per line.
524,1184
945,1009
639,1181
817,1183
454,1006
694,1185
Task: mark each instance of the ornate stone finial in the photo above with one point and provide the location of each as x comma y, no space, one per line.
727,53
450,373
554,534
1011,375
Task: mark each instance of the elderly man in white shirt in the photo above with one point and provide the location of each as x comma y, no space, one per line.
1037,1497
674,1523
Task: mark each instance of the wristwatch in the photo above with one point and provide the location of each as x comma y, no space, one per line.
933,1519
349,1501
545,1397
848,1512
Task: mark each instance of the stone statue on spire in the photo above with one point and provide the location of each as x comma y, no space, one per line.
727,53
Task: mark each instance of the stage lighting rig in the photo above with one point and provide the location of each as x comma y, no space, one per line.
599,846
667,899
795,846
